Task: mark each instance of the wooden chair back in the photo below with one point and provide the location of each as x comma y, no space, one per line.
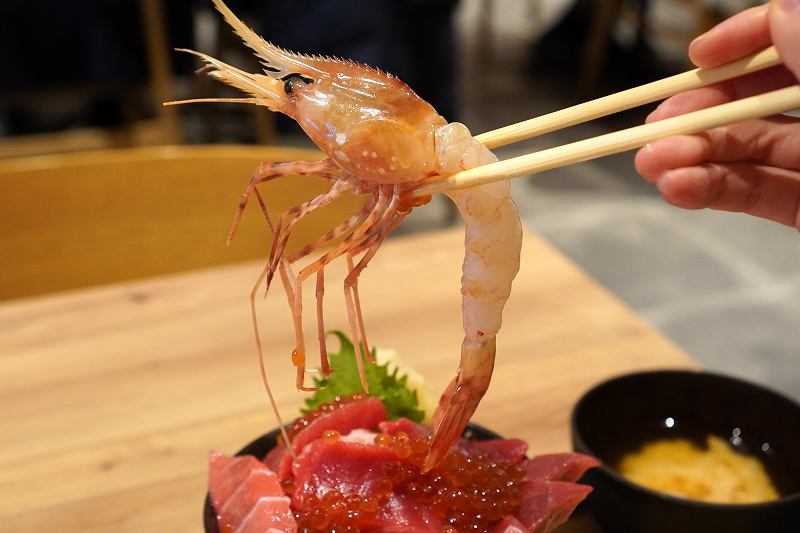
80,219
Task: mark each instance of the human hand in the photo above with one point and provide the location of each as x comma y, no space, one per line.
752,166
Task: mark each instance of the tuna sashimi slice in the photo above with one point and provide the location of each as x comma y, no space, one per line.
407,426
354,468
404,515
247,496
349,467
547,504
260,485
274,459
270,514
225,474
360,414
498,450
559,466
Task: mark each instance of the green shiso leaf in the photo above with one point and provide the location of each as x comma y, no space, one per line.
391,389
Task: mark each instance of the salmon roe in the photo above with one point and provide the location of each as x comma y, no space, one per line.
467,491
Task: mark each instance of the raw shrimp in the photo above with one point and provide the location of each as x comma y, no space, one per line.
381,140
492,242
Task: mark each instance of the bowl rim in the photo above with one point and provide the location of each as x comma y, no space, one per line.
793,498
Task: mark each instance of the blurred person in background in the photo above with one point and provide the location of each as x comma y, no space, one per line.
753,166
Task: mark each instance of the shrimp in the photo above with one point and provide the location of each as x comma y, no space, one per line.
383,141
492,242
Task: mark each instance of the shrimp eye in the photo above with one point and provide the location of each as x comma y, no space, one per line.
291,81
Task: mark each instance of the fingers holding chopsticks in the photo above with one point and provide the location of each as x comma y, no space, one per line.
763,104
772,141
751,166
766,192
724,92
737,37
743,34
784,23
749,31
734,38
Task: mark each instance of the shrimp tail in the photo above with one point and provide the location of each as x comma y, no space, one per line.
461,397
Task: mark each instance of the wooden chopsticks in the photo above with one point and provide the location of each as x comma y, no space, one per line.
614,103
762,105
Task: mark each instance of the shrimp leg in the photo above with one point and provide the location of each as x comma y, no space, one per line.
336,233
320,289
329,237
323,346
291,217
364,232
287,221
287,285
354,314
268,171
352,300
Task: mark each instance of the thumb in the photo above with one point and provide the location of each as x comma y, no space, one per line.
784,25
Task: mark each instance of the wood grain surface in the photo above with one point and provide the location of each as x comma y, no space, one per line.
112,396
82,219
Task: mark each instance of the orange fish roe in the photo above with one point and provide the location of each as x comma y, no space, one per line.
323,409
469,492
330,436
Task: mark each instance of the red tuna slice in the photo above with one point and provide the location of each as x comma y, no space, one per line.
257,506
353,468
559,466
225,474
247,496
360,414
407,426
509,524
403,515
548,504
274,458
505,450
349,467
498,450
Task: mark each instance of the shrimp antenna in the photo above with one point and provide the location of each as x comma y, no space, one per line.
262,366
256,101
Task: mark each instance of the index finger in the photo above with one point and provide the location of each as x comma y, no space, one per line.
739,36
724,92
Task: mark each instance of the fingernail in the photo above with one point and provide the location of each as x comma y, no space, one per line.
789,6
697,39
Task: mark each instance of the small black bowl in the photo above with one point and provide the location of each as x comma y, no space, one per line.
262,445
620,415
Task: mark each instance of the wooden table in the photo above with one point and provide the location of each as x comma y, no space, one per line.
112,396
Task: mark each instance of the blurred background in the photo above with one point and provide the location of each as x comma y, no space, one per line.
90,75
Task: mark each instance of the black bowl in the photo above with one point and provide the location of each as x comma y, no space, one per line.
619,415
262,445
